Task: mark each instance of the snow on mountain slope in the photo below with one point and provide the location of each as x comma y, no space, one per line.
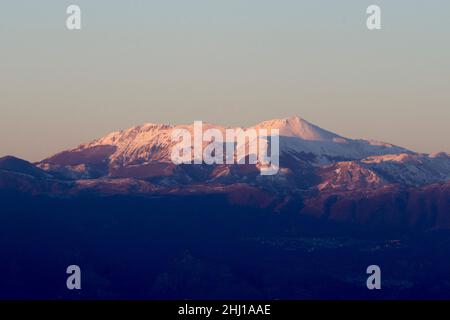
144,152
411,169
140,144
299,128
377,172
152,142
299,137
349,175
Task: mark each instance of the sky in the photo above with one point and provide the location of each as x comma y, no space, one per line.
229,62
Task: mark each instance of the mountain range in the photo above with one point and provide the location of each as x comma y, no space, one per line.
322,174
141,227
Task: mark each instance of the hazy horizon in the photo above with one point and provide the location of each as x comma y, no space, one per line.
230,63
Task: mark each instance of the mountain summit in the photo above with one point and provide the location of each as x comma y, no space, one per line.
299,128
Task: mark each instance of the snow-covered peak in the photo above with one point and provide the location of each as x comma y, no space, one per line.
300,128
138,133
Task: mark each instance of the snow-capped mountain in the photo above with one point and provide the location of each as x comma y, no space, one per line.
309,157
151,143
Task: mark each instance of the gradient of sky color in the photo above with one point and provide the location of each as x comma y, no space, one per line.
233,62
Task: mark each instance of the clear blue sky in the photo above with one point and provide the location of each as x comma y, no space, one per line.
228,62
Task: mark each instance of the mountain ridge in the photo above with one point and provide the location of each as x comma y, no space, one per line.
152,142
144,152
320,172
